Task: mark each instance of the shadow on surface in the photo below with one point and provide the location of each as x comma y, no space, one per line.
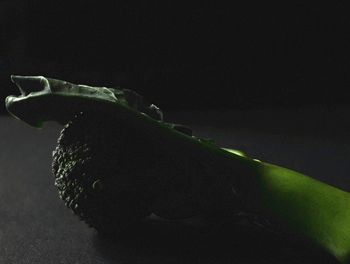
171,242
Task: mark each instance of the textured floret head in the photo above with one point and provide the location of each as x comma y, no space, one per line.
89,168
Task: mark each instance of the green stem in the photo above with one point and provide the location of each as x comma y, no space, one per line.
307,207
312,208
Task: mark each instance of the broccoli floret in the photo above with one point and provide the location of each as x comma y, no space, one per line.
109,181
89,167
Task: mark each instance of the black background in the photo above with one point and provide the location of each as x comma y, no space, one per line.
184,55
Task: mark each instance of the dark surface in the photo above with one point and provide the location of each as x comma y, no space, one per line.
35,226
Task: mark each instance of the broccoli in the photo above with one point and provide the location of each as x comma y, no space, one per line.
117,161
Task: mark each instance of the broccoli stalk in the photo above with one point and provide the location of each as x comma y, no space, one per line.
117,161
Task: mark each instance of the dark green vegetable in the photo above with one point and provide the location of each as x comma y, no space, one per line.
117,161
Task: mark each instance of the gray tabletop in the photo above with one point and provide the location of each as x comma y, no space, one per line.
35,226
